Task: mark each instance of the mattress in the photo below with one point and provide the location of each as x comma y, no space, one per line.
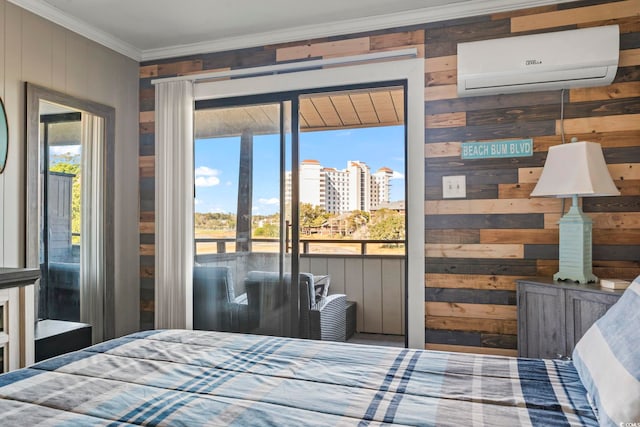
178,377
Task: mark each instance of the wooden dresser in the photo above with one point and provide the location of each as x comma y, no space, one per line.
17,317
553,316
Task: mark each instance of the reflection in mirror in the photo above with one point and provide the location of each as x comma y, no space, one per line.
70,208
60,216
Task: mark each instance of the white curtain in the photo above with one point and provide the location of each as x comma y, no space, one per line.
92,274
174,205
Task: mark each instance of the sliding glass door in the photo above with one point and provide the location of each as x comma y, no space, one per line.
243,215
317,173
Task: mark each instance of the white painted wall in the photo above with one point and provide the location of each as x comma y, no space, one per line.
35,50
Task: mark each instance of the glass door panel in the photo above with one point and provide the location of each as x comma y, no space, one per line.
315,174
242,273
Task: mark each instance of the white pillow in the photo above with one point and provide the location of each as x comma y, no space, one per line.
607,359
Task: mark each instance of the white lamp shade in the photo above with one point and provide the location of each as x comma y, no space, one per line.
575,169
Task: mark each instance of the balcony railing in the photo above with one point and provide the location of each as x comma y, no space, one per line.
357,247
372,277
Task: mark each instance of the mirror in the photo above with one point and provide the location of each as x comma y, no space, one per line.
4,136
70,230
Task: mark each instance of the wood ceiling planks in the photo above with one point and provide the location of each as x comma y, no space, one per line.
336,110
385,108
361,108
327,110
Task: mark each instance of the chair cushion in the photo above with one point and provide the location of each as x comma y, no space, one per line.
307,292
607,359
213,294
218,277
321,287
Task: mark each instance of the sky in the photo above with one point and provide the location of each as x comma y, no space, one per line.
69,153
216,164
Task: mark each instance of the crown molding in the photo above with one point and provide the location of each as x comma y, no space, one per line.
56,16
350,26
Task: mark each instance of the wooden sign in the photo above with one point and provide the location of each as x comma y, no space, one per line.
493,149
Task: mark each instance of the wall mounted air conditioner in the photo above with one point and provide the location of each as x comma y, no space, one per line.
549,61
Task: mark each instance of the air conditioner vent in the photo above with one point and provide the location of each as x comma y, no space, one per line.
565,59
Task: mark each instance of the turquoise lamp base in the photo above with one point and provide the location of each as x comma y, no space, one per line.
565,275
575,246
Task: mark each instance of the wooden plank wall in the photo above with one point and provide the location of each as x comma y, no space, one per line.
476,247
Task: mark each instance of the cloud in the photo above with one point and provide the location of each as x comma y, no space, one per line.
197,202
271,201
207,181
205,171
397,175
206,177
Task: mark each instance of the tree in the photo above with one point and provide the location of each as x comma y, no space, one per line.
387,225
266,225
357,220
215,221
267,230
311,216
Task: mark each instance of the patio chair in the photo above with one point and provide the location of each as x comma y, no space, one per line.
215,306
268,311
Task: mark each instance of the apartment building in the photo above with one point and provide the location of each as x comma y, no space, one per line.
345,190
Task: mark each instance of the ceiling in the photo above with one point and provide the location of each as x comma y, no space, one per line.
154,29
352,109
324,111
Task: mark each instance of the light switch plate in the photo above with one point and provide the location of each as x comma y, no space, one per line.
454,187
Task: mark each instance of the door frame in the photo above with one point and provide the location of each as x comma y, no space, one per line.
34,94
409,70
287,103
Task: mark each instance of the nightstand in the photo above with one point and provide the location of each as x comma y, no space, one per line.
553,316
56,337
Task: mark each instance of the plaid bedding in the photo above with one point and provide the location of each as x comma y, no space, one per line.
200,378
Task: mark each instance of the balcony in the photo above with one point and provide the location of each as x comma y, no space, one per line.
370,272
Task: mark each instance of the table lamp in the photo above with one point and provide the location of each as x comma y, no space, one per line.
575,170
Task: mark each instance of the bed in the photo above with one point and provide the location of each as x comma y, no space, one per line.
179,377
214,378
